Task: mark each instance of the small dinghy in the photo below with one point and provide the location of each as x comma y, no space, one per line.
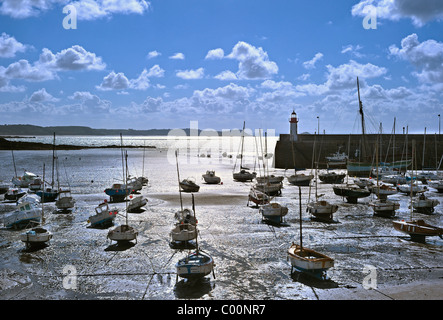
308,260
211,178
189,185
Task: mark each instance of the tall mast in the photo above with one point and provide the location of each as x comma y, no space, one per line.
299,203
53,159
393,145
178,178
360,104
242,142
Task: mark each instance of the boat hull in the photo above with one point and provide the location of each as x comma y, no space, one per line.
244,176
20,218
123,233
309,261
417,229
184,232
195,266
322,210
300,180
350,193
384,208
36,236
273,211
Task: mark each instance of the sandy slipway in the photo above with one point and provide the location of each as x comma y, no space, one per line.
250,255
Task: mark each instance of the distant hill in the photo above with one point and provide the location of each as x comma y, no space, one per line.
31,130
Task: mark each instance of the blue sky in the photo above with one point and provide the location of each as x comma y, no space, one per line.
161,64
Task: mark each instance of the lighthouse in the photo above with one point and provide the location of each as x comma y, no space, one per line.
293,122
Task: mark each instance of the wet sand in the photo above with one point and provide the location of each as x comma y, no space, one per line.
250,255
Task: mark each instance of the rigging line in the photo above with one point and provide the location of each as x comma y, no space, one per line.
110,259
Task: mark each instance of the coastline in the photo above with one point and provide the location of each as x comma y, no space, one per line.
21,145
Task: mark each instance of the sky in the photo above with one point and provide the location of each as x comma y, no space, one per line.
138,64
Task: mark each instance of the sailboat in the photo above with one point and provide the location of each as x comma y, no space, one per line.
243,175
382,206
197,264
355,167
265,184
185,229
49,194
123,232
418,229
299,179
308,260
320,209
37,236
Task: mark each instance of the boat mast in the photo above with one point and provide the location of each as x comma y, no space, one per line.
53,159
423,158
412,175
299,204
242,144
195,219
43,194
178,177
360,104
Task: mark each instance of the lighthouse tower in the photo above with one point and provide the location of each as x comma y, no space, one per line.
293,122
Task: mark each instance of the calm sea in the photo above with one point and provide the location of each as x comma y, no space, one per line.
201,144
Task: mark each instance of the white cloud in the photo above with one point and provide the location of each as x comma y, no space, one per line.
353,50
118,81
253,62
343,77
190,74
426,56
86,9
311,63
90,101
74,58
304,77
42,96
153,54
114,81
177,56
22,69
156,71
226,75
9,46
215,54
420,12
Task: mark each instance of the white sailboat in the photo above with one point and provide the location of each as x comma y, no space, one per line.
320,209
197,264
124,232
243,174
382,206
37,236
308,260
185,229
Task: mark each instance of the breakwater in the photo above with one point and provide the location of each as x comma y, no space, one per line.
429,149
